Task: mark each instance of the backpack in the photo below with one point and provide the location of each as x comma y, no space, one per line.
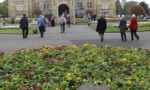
62,20
42,23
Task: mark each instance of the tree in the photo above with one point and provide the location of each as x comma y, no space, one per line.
137,10
36,12
4,8
118,7
145,6
88,12
127,7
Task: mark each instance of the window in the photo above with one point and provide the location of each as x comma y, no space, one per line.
105,13
89,5
36,5
19,6
78,10
105,5
46,6
79,5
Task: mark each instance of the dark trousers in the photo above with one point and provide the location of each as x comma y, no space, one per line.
62,28
101,34
133,33
123,37
24,32
68,23
41,29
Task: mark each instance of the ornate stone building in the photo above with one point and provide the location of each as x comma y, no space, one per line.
76,8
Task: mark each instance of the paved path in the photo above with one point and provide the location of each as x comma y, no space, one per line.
77,34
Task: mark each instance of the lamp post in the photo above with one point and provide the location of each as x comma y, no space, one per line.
57,13
73,12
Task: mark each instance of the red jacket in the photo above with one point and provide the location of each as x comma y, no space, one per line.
133,24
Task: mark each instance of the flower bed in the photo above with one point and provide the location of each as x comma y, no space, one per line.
10,26
66,68
81,21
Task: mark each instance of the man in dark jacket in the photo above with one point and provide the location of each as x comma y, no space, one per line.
101,27
24,26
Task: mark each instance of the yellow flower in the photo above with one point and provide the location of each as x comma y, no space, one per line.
134,64
15,79
129,82
68,76
7,82
137,79
79,78
109,81
22,51
47,47
134,69
123,59
93,45
85,45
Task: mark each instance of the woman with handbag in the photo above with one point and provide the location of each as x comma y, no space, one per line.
123,28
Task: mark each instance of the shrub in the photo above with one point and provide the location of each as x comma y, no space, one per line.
81,21
112,19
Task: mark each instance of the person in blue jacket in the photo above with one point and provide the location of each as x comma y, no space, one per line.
41,25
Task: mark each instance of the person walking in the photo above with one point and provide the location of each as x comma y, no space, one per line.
12,20
49,21
68,20
44,23
62,21
24,25
101,27
52,21
133,27
123,28
41,25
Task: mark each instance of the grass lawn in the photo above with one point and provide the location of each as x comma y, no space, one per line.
17,30
115,29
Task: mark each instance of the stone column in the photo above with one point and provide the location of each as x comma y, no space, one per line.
57,11
30,8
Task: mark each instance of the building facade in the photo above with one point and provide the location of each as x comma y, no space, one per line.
76,8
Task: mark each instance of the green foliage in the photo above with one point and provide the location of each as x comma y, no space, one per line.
145,6
4,8
143,26
17,30
118,7
66,68
127,7
81,21
112,19
17,21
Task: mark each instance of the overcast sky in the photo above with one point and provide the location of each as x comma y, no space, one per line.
147,1
1,0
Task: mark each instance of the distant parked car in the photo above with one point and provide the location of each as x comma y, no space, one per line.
147,17
1,16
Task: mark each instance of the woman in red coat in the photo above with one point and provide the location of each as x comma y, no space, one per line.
134,27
